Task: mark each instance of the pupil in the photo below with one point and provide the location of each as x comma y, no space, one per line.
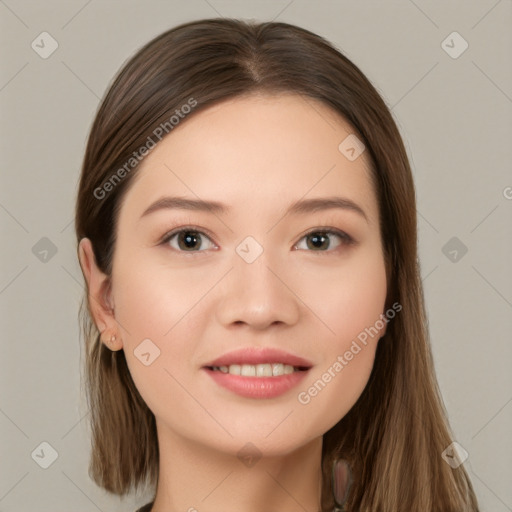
317,240
190,239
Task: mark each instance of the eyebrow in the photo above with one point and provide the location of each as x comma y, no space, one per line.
300,207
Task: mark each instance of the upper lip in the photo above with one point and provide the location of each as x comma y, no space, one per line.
255,355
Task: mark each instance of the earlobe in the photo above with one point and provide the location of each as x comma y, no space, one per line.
100,301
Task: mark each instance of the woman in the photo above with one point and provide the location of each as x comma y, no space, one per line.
255,327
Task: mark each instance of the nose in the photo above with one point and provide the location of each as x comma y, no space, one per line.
258,294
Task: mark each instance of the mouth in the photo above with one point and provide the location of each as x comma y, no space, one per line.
260,373
259,362
255,381
258,370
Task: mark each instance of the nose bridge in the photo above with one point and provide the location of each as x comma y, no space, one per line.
255,292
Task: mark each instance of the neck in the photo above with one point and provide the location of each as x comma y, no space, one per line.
197,478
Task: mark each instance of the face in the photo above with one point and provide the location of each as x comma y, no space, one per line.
307,281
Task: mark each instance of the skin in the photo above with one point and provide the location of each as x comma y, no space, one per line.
257,154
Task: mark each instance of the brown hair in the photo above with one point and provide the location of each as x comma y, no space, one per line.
394,435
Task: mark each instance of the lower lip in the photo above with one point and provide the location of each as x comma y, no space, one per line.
257,387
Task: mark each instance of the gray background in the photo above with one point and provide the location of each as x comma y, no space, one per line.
454,114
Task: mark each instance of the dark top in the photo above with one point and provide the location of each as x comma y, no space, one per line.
145,508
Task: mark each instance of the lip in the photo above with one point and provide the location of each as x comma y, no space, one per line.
257,387
259,355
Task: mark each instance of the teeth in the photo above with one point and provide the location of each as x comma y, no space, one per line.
235,369
248,370
264,370
258,370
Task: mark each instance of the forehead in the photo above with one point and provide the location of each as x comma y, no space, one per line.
255,152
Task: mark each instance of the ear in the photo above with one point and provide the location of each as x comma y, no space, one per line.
100,297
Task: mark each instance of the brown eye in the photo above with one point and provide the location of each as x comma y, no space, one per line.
187,240
320,241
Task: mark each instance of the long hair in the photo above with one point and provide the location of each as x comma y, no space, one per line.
394,435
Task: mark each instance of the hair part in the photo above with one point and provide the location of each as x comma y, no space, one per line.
394,435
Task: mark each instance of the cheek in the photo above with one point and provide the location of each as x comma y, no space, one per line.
154,300
347,298
350,302
156,317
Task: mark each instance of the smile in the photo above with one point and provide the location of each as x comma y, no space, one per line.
258,370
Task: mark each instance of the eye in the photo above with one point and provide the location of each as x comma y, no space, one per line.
190,239
319,239
187,239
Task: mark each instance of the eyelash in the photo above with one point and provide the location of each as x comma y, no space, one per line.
346,239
